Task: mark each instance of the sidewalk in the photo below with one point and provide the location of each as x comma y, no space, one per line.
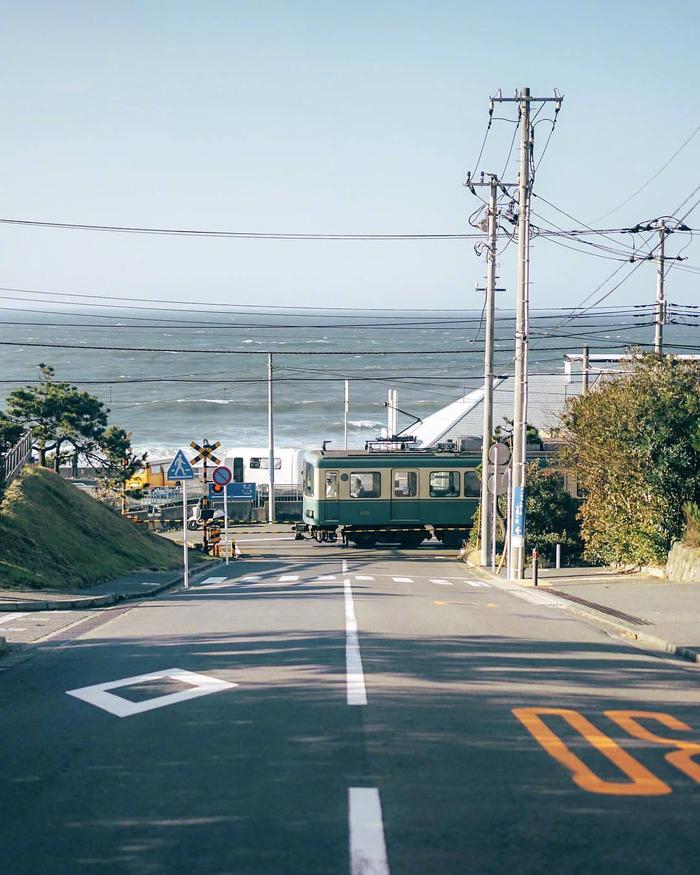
130,586
657,614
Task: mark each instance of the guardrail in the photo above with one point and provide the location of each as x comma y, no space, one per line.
12,462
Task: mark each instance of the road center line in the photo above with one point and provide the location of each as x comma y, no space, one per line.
354,676
367,845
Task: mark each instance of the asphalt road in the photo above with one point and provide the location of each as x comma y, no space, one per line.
353,711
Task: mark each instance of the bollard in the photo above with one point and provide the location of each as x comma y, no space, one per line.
535,568
557,563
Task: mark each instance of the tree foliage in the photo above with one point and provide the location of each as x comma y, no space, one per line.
67,424
550,514
634,446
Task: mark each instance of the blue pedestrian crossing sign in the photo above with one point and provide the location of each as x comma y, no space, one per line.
180,468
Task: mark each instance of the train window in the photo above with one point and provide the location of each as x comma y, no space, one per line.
331,484
444,484
308,479
405,484
365,484
472,484
264,462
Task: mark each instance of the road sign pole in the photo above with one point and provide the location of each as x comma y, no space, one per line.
495,513
226,521
184,533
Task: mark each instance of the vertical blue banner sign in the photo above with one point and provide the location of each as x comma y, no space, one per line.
518,527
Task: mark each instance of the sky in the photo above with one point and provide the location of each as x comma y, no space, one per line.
330,117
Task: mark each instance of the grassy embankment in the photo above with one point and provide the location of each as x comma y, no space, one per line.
53,536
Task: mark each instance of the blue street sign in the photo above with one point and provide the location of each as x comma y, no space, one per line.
180,468
518,530
234,491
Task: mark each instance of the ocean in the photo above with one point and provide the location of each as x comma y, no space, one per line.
172,376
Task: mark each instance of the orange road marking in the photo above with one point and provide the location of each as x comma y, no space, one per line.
682,758
642,781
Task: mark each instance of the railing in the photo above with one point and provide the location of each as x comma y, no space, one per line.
12,462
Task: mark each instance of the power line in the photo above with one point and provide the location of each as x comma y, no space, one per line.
651,178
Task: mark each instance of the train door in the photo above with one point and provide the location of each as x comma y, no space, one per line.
330,495
405,506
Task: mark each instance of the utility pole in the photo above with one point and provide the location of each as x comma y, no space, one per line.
584,370
271,443
346,407
660,299
486,523
517,534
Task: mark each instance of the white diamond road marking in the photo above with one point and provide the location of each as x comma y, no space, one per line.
289,578
212,580
12,617
99,695
363,577
402,579
440,582
326,577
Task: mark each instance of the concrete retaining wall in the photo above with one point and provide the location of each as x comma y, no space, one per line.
683,565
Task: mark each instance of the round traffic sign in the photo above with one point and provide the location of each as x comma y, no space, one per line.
221,475
499,454
498,484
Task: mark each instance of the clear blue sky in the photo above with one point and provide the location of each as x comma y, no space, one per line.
329,117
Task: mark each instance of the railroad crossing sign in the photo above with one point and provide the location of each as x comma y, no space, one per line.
221,475
205,452
180,468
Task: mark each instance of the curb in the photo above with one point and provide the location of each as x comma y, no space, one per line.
646,641
3,645
98,601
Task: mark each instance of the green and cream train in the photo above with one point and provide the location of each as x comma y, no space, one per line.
402,495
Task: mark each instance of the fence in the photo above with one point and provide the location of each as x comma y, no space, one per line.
12,462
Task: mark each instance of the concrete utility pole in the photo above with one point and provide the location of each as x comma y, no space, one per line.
660,299
346,407
584,370
517,525
519,406
271,443
486,523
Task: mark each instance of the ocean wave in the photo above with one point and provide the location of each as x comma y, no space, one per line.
364,423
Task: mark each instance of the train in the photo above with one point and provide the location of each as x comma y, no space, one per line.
389,493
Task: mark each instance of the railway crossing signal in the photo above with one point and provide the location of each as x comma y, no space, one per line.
205,452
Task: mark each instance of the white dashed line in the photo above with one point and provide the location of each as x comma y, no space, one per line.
402,579
356,691
363,577
289,578
367,844
212,580
252,578
326,577
441,582
478,583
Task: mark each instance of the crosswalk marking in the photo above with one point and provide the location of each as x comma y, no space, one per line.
289,578
440,581
402,579
363,577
